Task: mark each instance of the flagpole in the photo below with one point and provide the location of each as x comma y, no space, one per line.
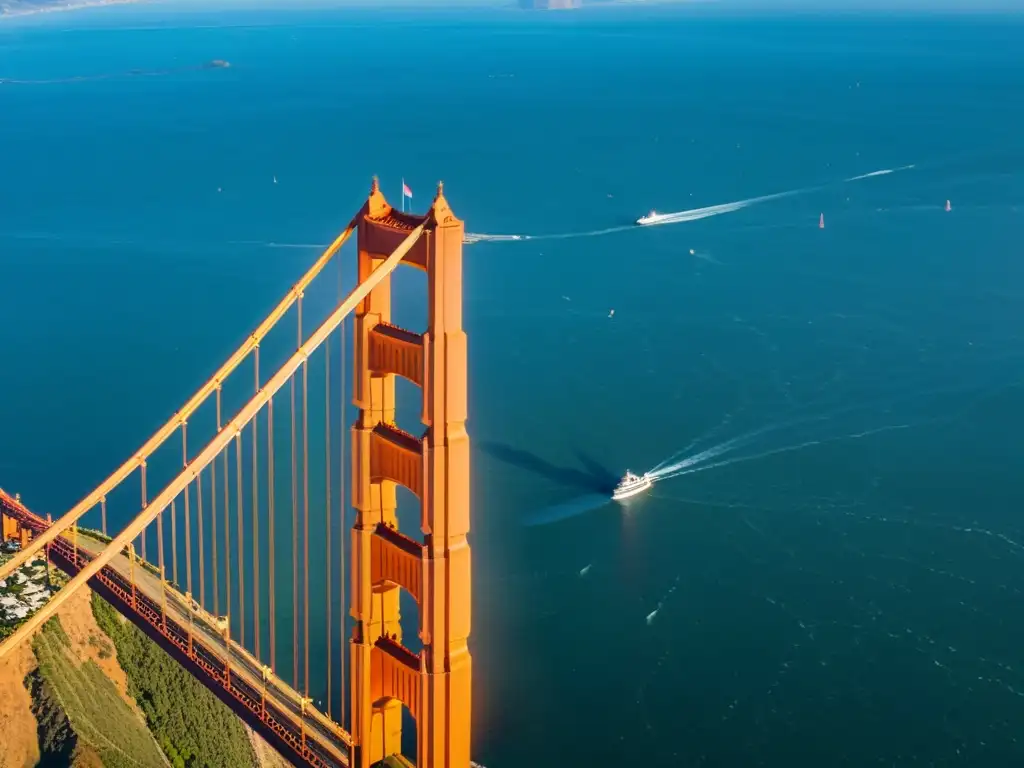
403,194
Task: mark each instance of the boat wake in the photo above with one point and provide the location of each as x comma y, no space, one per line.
664,218
266,244
469,238
696,464
717,210
883,172
677,217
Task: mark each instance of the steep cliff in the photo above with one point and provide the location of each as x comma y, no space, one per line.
83,720
64,700
17,724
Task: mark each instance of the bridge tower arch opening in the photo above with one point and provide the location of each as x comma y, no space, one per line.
433,565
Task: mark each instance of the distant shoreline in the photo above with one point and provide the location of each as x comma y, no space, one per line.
72,5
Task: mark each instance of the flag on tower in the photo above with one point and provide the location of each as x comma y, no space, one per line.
405,190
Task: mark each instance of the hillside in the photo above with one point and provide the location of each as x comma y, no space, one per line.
66,693
82,719
17,724
192,725
69,699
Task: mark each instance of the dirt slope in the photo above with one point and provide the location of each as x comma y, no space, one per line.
17,723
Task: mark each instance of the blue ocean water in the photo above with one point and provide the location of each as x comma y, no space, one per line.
845,592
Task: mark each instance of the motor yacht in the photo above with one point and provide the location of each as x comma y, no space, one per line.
630,485
651,218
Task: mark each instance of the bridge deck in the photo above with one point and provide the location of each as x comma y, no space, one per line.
273,709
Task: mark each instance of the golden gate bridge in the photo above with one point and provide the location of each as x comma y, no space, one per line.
216,523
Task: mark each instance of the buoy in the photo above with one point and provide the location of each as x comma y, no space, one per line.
821,221
948,206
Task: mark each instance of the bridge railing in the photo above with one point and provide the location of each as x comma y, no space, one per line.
301,728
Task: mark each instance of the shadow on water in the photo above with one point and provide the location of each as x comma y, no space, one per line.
581,505
606,479
595,477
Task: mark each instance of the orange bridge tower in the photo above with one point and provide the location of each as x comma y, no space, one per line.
433,566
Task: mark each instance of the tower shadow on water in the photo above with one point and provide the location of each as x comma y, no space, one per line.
594,477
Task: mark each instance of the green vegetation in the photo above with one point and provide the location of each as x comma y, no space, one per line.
194,728
394,761
82,720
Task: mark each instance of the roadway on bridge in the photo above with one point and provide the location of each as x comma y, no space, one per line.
278,693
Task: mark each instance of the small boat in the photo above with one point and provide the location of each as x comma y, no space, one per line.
630,485
651,218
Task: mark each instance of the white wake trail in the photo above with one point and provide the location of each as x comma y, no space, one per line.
673,467
670,470
271,244
883,172
677,217
473,237
693,444
717,210
784,449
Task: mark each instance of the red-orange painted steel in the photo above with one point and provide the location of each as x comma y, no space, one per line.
435,568
203,662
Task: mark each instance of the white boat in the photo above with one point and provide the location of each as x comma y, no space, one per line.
651,218
630,485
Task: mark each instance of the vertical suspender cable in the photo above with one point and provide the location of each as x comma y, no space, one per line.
142,536
160,558
327,510
188,539
213,520
256,629
241,558
188,544
270,532
174,546
305,518
343,530
199,533
295,530
227,537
